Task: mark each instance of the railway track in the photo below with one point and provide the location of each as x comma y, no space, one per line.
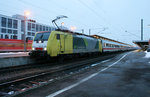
16,86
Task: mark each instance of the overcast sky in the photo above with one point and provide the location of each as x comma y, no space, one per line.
115,19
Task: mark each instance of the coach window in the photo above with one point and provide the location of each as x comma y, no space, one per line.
104,44
107,45
58,36
113,46
3,22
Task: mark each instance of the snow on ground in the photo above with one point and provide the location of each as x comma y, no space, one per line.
147,54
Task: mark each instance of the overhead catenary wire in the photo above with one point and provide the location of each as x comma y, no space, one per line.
91,9
19,10
132,34
13,13
39,7
70,18
46,10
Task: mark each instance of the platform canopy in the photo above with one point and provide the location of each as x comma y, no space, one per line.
142,43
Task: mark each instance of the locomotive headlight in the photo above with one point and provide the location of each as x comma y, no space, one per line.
40,41
33,48
45,49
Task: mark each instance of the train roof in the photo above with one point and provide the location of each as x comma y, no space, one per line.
75,33
104,38
92,36
43,31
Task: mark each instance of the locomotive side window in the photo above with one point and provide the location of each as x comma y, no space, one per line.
58,36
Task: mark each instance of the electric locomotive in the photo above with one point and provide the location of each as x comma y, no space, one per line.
59,42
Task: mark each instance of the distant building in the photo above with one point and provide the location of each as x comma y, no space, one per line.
13,27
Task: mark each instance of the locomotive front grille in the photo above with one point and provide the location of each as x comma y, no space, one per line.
39,49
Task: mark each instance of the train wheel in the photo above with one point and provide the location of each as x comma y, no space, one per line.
61,59
32,55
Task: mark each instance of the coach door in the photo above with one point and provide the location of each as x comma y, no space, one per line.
62,43
100,46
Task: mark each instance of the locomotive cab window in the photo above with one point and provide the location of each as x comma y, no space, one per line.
58,36
42,36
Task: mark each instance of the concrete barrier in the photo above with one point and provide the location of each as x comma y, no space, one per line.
17,61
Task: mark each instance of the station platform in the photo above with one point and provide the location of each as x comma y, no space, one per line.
11,59
126,75
13,54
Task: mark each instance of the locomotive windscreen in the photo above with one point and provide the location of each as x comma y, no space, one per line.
42,36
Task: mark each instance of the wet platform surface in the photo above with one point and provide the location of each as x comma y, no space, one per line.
127,75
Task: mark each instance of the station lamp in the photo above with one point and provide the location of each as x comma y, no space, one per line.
72,28
26,13
62,23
